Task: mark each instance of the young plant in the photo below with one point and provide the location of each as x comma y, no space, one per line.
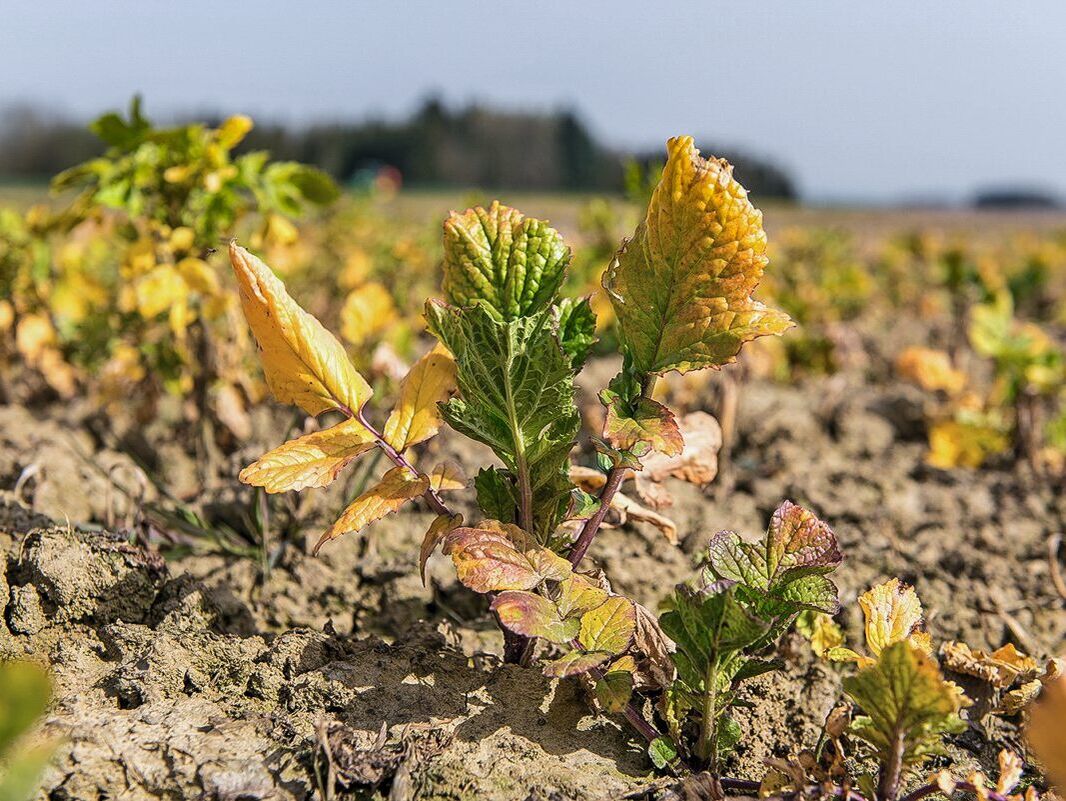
503,375
741,602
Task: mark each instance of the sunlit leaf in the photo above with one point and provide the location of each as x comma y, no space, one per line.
821,630
397,487
789,564
513,263
498,556
574,663
447,477
516,395
681,287
907,704
578,594
930,369
609,627
417,417
533,615
577,329
313,460
304,364
643,420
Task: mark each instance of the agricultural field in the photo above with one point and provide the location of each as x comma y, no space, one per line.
395,494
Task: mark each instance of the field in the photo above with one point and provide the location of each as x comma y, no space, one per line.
199,648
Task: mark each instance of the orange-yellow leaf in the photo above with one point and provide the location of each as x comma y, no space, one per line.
313,460
682,286
447,477
397,487
498,556
438,529
368,311
304,363
417,417
930,369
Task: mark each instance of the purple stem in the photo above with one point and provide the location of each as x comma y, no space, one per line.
588,531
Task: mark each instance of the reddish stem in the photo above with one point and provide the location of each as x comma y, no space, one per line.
588,533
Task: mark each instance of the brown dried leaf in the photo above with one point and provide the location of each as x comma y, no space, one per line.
1000,668
437,531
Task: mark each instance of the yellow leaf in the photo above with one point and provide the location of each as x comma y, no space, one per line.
1000,668
313,460
304,363
368,310
893,614
447,477
930,369
233,130
33,335
7,315
397,487
416,417
954,443
682,286
438,530
182,239
198,274
159,291
1045,731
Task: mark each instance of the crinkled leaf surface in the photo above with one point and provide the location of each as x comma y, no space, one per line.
416,417
789,564
304,364
498,556
1000,668
893,613
577,329
905,700
681,287
516,395
397,487
313,460
495,494
514,263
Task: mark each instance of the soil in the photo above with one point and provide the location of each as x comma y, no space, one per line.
342,676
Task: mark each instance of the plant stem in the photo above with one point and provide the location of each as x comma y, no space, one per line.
707,747
967,787
891,772
615,476
431,496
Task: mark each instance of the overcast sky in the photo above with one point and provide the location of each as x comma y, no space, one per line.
858,99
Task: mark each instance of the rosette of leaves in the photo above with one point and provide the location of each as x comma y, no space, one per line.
743,599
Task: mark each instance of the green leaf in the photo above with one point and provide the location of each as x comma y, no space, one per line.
609,627
681,287
662,752
907,702
513,263
614,690
582,505
516,395
495,494
497,556
25,690
316,186
708,623
642,421
789,564
533,615
578,594
577,329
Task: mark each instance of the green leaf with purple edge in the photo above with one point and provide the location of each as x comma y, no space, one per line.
789,564
533,615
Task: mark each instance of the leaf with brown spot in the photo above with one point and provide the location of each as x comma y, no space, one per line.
397,487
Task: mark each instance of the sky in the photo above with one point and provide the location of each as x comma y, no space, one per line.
859,100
